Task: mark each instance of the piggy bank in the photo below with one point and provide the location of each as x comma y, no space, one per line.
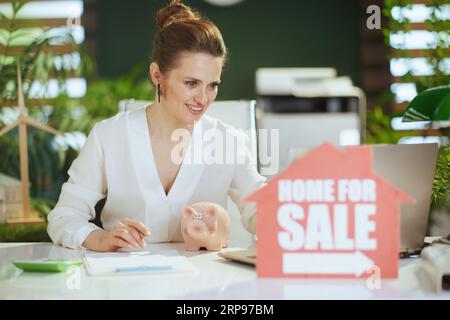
205,225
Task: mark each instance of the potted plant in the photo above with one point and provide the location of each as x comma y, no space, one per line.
434,105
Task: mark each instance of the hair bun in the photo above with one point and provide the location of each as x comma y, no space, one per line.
175,12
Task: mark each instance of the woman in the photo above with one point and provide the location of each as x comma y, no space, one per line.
130,158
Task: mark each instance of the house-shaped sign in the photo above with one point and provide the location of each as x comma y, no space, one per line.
328,215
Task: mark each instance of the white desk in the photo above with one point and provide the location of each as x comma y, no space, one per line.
216,279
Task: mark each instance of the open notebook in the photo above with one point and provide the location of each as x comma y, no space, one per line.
121,263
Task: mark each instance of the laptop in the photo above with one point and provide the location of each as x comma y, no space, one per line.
410,168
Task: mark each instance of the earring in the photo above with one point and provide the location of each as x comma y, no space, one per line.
158,89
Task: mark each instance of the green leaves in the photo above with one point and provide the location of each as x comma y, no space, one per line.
11,233
441,185
37,64
379,129
431,104
434,55
45,166
43,206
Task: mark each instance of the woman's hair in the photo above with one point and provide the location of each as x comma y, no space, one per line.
182,29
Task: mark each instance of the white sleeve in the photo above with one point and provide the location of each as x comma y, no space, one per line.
68,222
246,180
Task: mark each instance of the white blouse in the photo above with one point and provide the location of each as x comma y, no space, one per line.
117,162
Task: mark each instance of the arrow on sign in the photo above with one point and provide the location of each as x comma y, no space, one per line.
326,263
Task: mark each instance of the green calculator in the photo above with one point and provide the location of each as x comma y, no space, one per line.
46,265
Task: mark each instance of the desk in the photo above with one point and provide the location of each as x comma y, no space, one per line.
216,279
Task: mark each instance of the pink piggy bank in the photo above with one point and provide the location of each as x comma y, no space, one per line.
205,225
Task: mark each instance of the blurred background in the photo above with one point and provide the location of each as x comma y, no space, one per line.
350,66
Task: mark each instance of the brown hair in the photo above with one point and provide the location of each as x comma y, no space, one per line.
184,29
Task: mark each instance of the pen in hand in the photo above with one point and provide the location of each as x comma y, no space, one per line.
138,232
126,233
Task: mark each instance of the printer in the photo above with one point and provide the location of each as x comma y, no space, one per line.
308,106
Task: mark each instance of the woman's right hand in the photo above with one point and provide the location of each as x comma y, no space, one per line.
126,233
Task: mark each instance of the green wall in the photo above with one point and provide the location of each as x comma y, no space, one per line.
258,33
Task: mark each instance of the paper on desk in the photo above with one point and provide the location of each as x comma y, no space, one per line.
115,263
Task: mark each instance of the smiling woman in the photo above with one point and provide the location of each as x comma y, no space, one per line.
129,158
186,91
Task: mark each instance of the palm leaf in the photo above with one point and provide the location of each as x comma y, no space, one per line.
431,104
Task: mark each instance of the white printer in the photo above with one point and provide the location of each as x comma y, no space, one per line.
308,106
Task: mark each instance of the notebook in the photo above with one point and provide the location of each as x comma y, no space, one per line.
122,263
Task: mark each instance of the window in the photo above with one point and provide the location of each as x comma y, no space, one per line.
58,17
416,43
414,57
